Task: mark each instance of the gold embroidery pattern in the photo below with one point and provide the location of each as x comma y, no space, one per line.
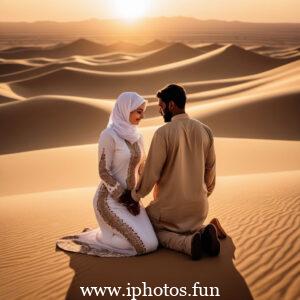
134,160
117,190
71,244
117,223
103,172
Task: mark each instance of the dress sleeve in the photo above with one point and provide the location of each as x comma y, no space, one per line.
152,170
210,167
106,148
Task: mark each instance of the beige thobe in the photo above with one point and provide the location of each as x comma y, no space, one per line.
181,167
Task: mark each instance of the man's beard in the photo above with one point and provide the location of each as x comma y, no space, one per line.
167,115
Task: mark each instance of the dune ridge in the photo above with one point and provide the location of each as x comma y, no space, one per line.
214,65
80,46
55,101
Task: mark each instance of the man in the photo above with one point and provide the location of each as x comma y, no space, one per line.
181,166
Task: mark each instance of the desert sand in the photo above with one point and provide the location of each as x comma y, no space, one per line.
54,102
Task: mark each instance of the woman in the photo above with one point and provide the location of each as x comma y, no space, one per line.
124,227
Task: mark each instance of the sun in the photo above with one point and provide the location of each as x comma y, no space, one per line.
130,9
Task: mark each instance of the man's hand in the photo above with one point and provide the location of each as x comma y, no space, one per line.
132,206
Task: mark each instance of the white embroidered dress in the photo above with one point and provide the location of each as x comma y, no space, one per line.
120,233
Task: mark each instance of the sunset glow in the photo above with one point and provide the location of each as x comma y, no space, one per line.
130,9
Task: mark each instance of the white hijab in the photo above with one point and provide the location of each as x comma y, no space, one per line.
119,117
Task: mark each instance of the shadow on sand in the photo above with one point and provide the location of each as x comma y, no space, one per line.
159,268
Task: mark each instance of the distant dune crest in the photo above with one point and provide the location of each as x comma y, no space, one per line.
56,98
75,84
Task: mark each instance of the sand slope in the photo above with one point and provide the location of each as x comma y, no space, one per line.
254,106
167,55
116,62
70,121
80,47
51,121
261,251
54,102
214,65
65,165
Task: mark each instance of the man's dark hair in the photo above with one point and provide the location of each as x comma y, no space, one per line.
175,93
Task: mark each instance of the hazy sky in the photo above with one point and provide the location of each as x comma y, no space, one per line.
67,10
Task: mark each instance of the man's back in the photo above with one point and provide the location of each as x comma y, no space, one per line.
181,162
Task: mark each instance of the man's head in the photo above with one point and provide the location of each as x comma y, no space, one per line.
172,101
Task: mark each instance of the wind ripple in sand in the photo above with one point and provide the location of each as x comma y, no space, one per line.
266,254
238,92
264,221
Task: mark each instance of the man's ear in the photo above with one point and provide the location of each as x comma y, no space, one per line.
171,105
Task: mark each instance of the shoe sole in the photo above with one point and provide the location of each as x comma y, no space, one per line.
196,247
221,232
210,241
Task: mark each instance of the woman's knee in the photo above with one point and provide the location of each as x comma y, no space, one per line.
152,244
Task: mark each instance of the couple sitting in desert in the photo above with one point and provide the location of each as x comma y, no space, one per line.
180,165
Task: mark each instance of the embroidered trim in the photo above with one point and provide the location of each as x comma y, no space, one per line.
103,172
117,223
117,192
135,158
70,243
114,187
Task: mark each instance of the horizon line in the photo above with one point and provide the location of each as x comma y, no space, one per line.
147,18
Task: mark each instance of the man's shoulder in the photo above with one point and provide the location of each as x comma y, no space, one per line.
207,131
161,131
200,124
166,128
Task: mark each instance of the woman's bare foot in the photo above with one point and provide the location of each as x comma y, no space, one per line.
220,231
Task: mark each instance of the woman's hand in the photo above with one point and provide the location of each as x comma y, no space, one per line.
132,206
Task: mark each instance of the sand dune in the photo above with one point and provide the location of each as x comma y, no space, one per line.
261,250
80,62
131,48
215,89
265,107
65,165
119,62
209,47
253,107
264,48
214,65
19,48
6,68
110,62
54,102
167,55
269,116
41,60
259,116
264,115
154,45
278,79
7,95
78,47
5,99
51,121
276,52
287,54
114,56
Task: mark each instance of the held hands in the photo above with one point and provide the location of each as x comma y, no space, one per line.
132,206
